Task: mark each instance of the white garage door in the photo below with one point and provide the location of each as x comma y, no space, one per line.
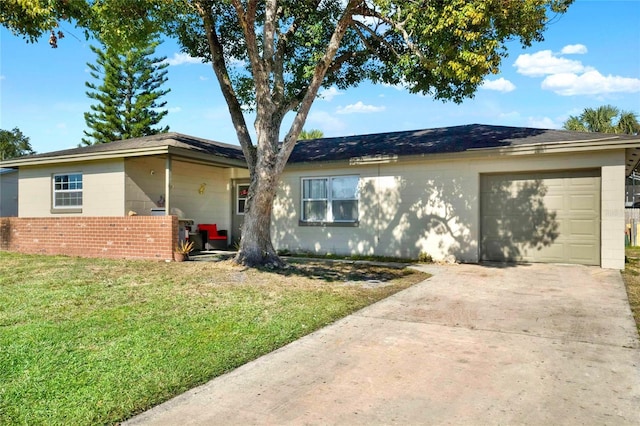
541,217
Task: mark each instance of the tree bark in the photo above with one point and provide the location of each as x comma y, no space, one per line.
256,248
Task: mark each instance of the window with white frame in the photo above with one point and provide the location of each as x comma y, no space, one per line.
242,192
67,191
330,199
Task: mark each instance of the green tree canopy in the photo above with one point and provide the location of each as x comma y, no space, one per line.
14,144
127,98
604,119
274,55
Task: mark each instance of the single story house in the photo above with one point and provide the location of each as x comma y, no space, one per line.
468,193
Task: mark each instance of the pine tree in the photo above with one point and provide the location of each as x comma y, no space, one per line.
127,100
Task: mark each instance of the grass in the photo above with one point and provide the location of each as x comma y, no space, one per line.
631,276
94,341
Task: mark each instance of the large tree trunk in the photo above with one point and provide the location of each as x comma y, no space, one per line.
256,248
267,160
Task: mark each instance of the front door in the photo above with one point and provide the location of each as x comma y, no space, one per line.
240,192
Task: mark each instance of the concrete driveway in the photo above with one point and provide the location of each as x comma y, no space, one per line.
529,344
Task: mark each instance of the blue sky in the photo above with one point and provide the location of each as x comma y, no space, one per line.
590,57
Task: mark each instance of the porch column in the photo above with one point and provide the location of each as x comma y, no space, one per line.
167,186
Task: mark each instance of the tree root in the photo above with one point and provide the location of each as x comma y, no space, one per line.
268,259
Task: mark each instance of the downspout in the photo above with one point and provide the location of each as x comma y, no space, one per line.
379,204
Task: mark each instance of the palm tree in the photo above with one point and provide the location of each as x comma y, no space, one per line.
310,134
628,124
575,124
601,120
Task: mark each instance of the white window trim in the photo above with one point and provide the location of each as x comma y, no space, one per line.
54,192
329,199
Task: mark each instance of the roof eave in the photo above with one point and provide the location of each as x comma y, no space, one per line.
204,157
92,156
125,153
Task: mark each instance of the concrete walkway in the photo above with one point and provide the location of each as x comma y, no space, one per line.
530,344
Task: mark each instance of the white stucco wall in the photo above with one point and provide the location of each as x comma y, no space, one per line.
612,214
433,206
145,183
103,183
213,205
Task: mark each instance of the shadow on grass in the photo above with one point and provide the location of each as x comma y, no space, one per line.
340,271
324,270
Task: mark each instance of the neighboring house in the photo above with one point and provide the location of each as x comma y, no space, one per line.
632,191
8,192
470,193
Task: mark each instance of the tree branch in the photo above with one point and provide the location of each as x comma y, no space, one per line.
247,21
220,69
316,81
270,25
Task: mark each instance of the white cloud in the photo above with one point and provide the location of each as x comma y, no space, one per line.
330,93
400,86
174,109
510,116
2,77
359,107
500,85
183,58
574,49
545,63
589,83
328,123
568,77
203,78
542,123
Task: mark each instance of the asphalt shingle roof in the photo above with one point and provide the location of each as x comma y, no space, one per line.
431,141
414,142
177,140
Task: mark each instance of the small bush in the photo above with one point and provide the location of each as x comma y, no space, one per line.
425,257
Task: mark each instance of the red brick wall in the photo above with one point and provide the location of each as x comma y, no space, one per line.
131,237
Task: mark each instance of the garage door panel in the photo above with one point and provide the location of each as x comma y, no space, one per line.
491,204
583,202
582,228
552,253
491,227
583,253
554,202
541,217
583,182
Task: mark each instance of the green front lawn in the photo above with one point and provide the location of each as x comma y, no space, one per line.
93,341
